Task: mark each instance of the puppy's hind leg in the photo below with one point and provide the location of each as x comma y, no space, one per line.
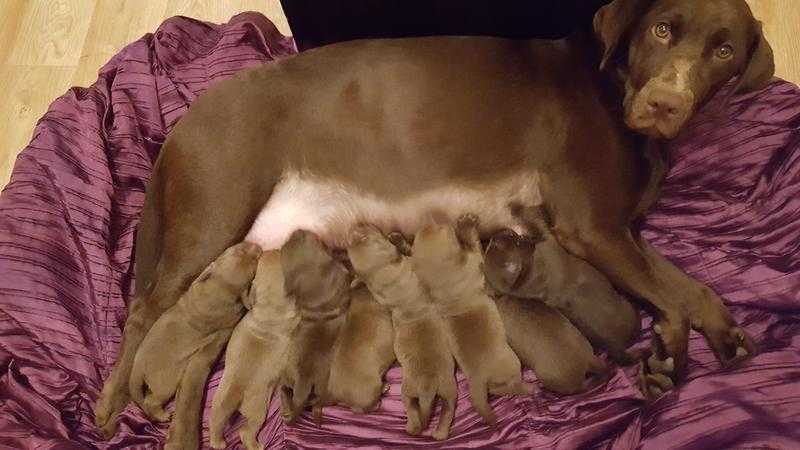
153,406
413,425
254,409
479,393
449,393
224,404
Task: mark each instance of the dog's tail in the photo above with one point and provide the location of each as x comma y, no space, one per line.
478,392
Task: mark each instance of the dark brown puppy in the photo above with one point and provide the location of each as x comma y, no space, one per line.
256,354
387,131
420,340
448,261
363,353
539,268
320,285
181,347
547,342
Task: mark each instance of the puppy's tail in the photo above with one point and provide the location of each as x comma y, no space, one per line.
478,392
224,404
426,407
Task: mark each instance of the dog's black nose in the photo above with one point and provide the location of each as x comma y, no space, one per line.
665,104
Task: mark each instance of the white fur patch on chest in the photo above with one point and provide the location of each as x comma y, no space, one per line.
330,209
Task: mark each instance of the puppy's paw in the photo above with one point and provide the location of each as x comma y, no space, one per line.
111,403
413,427
398,240
654,385
218,442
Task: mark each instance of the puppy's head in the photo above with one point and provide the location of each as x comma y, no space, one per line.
312,274
504,261
232,271
268,289
369,250
674,54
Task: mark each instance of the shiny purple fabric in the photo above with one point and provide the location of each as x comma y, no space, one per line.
729,215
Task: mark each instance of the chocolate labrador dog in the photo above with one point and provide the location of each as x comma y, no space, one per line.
388,131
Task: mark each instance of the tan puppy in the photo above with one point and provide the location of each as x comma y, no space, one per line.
362,353
256,354
420,341
541,268
178,351
320,285
548,343
450,265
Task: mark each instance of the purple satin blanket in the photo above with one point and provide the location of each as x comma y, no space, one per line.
729,215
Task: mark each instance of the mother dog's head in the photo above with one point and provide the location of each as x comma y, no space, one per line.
673,54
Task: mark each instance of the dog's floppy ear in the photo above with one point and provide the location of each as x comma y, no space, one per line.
761,66
613,22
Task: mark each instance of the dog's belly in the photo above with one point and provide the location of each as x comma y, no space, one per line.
330,209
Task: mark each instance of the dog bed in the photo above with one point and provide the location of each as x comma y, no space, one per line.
729,215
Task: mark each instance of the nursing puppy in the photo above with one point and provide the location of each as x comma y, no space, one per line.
541,268
320,285
420,340
204,316
547,342
362,353
256,354
180,348
449,262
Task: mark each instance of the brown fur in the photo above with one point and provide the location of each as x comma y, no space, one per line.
362,353
182,345
420,341
396,118
548,343
256,354
320,285
451,270
543,270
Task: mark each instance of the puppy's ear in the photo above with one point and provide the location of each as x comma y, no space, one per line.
761,66
613,22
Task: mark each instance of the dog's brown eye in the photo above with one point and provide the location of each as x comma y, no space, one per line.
662,30
725,52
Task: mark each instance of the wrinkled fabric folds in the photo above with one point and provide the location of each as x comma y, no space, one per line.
728,215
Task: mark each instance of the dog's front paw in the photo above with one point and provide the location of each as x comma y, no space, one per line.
671,342
730,342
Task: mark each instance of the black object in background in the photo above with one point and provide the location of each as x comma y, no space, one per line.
320,22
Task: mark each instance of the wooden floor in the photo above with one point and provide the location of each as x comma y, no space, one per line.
46,46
